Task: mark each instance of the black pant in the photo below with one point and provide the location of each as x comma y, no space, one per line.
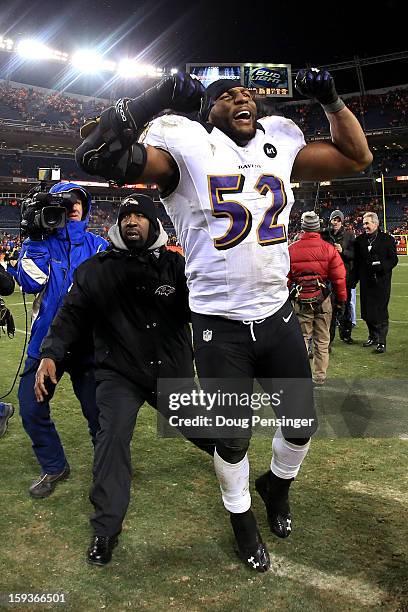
344,321
119,401
378,331
36,416
231,354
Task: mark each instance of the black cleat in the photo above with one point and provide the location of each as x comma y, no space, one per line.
380,348
100,550
348,340
46,483
251,548
8,412
369,342
274,492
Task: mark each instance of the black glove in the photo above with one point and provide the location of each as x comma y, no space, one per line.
319,84
340,308
108,138
377,267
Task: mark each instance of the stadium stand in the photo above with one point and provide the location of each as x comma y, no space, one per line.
40,129
377,109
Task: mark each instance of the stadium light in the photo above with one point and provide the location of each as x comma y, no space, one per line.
150,71
36,50
173,71
33,49
87,61
6,43
129,68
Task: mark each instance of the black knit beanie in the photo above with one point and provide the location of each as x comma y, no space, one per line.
213,92
142,205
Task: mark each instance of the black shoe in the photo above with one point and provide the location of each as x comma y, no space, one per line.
100,550
369,342
380,348
46,483
275,495
251,548
348,340
8,413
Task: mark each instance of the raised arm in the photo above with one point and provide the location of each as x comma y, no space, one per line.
109,148
348,151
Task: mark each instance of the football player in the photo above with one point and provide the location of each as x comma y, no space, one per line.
225,181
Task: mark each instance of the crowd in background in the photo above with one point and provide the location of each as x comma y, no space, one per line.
104,214
32,105
388,109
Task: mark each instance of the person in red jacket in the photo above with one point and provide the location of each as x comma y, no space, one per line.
313,264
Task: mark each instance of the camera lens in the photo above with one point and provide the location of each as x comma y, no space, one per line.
53,217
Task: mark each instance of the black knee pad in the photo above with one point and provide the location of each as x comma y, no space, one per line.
232,450
298,441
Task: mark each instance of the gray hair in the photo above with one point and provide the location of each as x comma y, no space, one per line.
374,217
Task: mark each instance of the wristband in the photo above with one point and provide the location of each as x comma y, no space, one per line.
334,107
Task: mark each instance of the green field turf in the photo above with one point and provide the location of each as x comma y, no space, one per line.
349,547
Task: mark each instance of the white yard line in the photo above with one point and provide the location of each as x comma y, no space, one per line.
384,492
390,320
328,387
363,592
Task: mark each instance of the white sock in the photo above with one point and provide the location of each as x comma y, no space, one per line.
234,483
287,457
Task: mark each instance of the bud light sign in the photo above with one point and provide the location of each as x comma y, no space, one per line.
268,79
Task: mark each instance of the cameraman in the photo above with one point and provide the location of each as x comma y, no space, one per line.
46,267
7,285
343,242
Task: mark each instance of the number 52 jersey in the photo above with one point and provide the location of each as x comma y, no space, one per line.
230,210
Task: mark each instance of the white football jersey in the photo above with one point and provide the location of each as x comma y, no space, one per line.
230,211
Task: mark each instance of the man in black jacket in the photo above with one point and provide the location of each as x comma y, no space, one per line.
375,257
343,242
135,299
7,285
7,282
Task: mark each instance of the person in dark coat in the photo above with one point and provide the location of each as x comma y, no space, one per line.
7,285
7,282
343,242
375,257
134,297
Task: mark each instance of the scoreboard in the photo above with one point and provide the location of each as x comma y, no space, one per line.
264,80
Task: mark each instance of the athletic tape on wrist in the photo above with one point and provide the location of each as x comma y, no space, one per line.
334,107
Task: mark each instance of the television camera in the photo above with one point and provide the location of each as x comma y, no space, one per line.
43,212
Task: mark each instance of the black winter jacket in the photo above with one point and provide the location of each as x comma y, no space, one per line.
137,308
346,240
7,282
375,281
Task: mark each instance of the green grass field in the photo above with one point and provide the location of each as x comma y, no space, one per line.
349,547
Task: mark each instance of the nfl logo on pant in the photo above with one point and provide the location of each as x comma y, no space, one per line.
207,335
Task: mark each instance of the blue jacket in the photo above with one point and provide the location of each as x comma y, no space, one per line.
46,267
